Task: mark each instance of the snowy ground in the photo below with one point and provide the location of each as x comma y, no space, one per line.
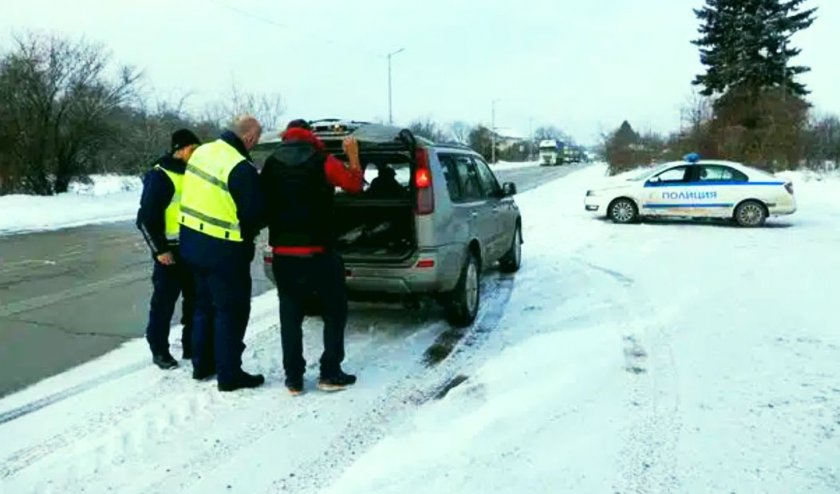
661,357
108,198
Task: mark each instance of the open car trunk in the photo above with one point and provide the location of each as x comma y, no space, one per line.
378,226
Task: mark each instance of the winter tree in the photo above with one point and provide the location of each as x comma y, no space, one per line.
759,110
57,100
744,44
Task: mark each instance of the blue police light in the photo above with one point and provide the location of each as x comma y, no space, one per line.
692,158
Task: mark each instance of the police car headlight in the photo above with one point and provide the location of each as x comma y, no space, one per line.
590,193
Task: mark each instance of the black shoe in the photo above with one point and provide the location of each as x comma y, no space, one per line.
336,381
165,361
243,381
294,385
203,374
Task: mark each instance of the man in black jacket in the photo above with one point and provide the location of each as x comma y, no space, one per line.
157,219
299,181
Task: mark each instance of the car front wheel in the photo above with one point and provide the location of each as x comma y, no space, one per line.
623,211
750,214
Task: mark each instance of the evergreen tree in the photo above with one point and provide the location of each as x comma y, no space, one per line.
744,45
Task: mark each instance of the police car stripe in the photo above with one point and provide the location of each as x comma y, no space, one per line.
711,184
697,205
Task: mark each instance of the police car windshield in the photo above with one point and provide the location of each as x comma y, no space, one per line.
648,172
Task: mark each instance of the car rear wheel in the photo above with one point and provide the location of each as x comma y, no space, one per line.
511,261
750,214
623,211
464,301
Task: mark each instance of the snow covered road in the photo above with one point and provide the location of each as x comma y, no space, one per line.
661,357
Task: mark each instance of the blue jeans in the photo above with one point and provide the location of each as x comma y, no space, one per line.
299,280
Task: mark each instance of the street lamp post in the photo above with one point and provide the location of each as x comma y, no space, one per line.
493,130
390,100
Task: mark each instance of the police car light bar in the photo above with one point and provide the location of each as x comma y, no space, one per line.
692,158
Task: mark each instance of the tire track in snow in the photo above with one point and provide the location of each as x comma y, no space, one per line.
127,428
365,430
165,384
54,398
648,455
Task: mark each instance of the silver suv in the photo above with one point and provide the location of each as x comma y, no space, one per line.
431,219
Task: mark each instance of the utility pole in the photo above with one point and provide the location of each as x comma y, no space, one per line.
390,99
530,138
493,129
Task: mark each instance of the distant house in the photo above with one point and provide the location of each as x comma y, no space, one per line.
506,137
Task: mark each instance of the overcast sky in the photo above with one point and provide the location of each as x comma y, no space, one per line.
584,65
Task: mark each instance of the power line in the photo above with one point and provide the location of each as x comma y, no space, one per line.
317,38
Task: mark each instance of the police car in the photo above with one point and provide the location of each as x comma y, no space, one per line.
697,189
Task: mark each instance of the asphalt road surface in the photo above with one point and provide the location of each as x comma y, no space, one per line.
71,295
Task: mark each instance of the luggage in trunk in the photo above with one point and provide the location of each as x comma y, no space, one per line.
374,230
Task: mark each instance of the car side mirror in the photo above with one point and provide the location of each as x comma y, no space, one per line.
508,189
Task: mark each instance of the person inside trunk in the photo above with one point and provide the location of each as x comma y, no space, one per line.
299,181
385,185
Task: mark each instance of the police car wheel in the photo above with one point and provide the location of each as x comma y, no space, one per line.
750,214
623,211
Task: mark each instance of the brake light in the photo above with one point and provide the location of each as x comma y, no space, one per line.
426,263
789,188
423,183
422,179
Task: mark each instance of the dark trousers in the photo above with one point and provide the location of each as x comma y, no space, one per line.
222,308
168,283
299,279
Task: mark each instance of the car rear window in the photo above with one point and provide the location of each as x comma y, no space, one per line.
710,173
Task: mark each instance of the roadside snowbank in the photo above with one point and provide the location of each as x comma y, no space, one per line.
108,198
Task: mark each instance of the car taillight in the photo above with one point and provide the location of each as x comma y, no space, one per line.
426,263
423,183
789,188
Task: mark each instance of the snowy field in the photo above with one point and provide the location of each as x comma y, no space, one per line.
108,198
654,358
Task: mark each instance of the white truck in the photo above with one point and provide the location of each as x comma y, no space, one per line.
551,152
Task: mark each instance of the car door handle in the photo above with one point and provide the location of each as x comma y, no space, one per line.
475,214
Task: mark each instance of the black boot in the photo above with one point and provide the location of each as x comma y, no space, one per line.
294,385
203,374
243,381
336,381
165,361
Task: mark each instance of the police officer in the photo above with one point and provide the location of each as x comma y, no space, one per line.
299,180
221,214
157,219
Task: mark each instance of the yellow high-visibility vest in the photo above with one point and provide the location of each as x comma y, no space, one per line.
206,203
172,215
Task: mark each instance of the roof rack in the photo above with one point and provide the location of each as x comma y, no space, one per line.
454,144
